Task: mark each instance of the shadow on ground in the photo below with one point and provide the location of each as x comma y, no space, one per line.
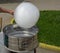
10,1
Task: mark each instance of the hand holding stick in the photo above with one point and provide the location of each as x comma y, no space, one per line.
3,10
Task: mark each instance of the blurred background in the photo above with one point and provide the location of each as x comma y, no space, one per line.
41,4
50,9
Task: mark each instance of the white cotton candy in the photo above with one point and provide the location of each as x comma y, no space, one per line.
26,15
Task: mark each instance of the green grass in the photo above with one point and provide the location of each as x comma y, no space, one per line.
49,27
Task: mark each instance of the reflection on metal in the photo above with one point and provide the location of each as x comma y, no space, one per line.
19,39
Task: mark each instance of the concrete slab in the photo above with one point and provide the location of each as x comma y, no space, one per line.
46,4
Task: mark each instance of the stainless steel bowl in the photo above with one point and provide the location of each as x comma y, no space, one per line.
19,39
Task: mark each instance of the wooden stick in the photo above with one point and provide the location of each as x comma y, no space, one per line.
0,23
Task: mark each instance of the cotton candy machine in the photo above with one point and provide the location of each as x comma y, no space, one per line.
17,39
22,36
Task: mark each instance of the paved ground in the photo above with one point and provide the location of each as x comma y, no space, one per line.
39,50
42,5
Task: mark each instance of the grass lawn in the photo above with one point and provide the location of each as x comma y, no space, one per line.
49,27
